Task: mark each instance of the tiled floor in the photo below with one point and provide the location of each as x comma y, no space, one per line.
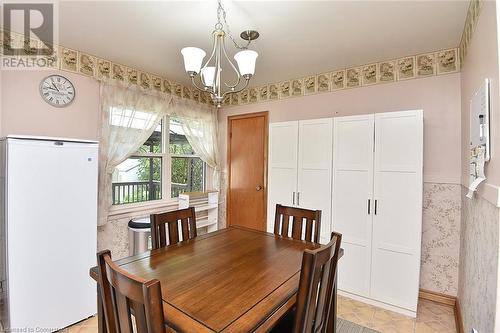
431,318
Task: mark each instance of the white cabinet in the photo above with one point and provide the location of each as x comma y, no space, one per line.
300,168
377,206
352,199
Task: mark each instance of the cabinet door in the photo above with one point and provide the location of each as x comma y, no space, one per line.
352,207
397,224
315,170
282,179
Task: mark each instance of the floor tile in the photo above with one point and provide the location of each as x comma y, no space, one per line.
431,317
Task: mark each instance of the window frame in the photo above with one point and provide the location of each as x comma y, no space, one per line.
166,182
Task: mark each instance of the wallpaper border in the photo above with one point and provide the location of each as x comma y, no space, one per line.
471,20
422,65
440,62
79,62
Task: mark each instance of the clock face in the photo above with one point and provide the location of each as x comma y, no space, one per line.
57,90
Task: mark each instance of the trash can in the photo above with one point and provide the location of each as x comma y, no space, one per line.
139,235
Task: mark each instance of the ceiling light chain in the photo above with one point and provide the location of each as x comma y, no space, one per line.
221,9
210,72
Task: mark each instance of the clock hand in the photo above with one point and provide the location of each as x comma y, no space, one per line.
55,86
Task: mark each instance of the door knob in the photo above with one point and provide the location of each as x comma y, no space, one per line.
258,188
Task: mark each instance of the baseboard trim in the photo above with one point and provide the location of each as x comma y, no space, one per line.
379,304
445,300
458,317
437,297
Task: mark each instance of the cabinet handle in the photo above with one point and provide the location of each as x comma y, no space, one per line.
293,198
298,198
369,209
375,207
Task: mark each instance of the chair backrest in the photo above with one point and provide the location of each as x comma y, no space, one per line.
171,221
300,219
315,298
124,294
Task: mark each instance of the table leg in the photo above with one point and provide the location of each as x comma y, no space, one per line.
101,322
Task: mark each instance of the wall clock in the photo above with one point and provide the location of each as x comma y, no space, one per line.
57,90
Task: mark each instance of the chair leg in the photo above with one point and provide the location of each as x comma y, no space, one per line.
332,321
101,322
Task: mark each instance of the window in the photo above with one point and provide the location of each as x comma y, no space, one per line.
142,178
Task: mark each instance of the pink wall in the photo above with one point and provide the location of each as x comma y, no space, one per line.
479,267
482,62
438,96
24,112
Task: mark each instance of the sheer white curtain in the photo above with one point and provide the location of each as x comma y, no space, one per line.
130,114
200,127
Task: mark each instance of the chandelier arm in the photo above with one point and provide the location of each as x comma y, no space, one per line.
193,81
247,81
211,55
234,68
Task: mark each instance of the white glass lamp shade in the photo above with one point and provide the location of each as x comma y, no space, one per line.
246,61
208,75
193,57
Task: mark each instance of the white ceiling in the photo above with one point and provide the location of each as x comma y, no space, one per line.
297,37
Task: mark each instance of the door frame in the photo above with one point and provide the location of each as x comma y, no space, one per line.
265,114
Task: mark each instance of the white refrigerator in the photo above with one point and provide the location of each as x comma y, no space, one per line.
48,232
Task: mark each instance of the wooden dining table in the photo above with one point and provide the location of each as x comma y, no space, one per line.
231,280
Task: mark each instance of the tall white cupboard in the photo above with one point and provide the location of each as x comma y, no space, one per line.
377,205
300,169
370,168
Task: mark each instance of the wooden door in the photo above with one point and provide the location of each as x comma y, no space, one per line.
314,173
282,180
352,207
247,165
397,220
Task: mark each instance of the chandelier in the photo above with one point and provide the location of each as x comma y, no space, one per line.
207,77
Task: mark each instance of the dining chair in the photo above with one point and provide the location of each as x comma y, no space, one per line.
298,216
124,295
315,308
170,221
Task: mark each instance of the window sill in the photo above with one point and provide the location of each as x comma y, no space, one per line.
141,209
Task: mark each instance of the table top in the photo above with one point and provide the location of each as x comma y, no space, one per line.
231,280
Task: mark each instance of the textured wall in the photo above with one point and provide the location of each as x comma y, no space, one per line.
440,238
478,272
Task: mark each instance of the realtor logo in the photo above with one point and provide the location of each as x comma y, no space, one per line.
28,35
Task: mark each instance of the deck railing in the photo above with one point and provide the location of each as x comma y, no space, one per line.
130,192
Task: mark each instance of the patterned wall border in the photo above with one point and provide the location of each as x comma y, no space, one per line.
79,62
470,24
404,68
